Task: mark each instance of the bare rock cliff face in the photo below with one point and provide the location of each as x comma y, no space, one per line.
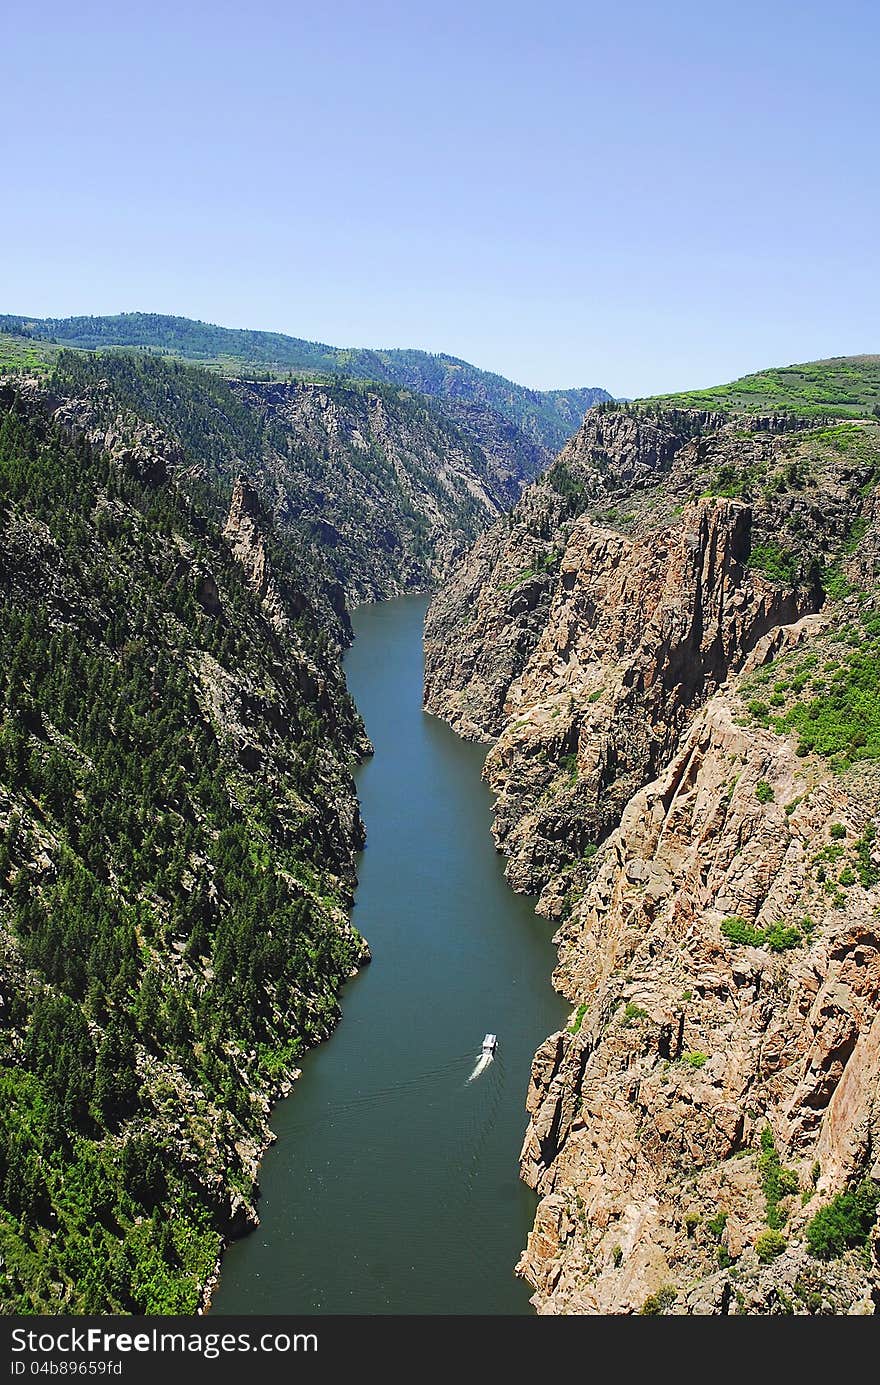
484,623
645,1122
244,534
639,632
487,618
713,882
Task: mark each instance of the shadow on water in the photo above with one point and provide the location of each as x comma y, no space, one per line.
393,1185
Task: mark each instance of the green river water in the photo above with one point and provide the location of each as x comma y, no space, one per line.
393,1185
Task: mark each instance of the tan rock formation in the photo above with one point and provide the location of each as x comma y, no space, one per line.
717,939
644,1122
244,532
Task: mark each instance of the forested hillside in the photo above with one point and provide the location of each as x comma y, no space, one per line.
177,834
545,417
375,486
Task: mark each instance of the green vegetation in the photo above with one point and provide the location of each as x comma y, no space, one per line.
844,386
569,765
769,1244
842,721
763,792
845,1223
695,1059
633,1012
547,417
656,1305
22,354
734,482
545,563
174,927
566,484
578,1018
776,1182
778,563
868,873
778,937
715,1225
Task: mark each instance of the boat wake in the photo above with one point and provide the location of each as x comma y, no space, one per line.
482,1063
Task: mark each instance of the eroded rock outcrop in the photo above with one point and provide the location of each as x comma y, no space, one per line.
714,881
244,532
645,1125
638,633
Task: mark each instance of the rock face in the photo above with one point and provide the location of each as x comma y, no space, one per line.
386,488
714,884
496,603
645,1123
244,531
638,633
514,458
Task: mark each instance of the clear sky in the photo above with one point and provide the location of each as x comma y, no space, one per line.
646,196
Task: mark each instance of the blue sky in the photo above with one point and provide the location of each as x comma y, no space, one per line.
643,196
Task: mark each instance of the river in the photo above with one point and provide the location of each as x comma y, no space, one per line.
393,1185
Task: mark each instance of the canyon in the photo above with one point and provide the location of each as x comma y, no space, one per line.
669,639
708,857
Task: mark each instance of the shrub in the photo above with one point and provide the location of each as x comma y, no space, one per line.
569,763
715,1225
695,1059
845,1223
577,1018
776,1182
769,1244
778,937
779,564
655,1305
843,721
868,873
763,792
633,1012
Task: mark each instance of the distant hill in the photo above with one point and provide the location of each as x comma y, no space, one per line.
546,417
842,386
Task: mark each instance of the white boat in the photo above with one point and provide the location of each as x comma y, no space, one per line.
490,1043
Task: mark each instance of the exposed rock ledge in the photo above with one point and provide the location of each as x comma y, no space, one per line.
642,1121
604,657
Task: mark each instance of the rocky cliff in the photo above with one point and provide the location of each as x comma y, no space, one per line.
381,484
673,642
